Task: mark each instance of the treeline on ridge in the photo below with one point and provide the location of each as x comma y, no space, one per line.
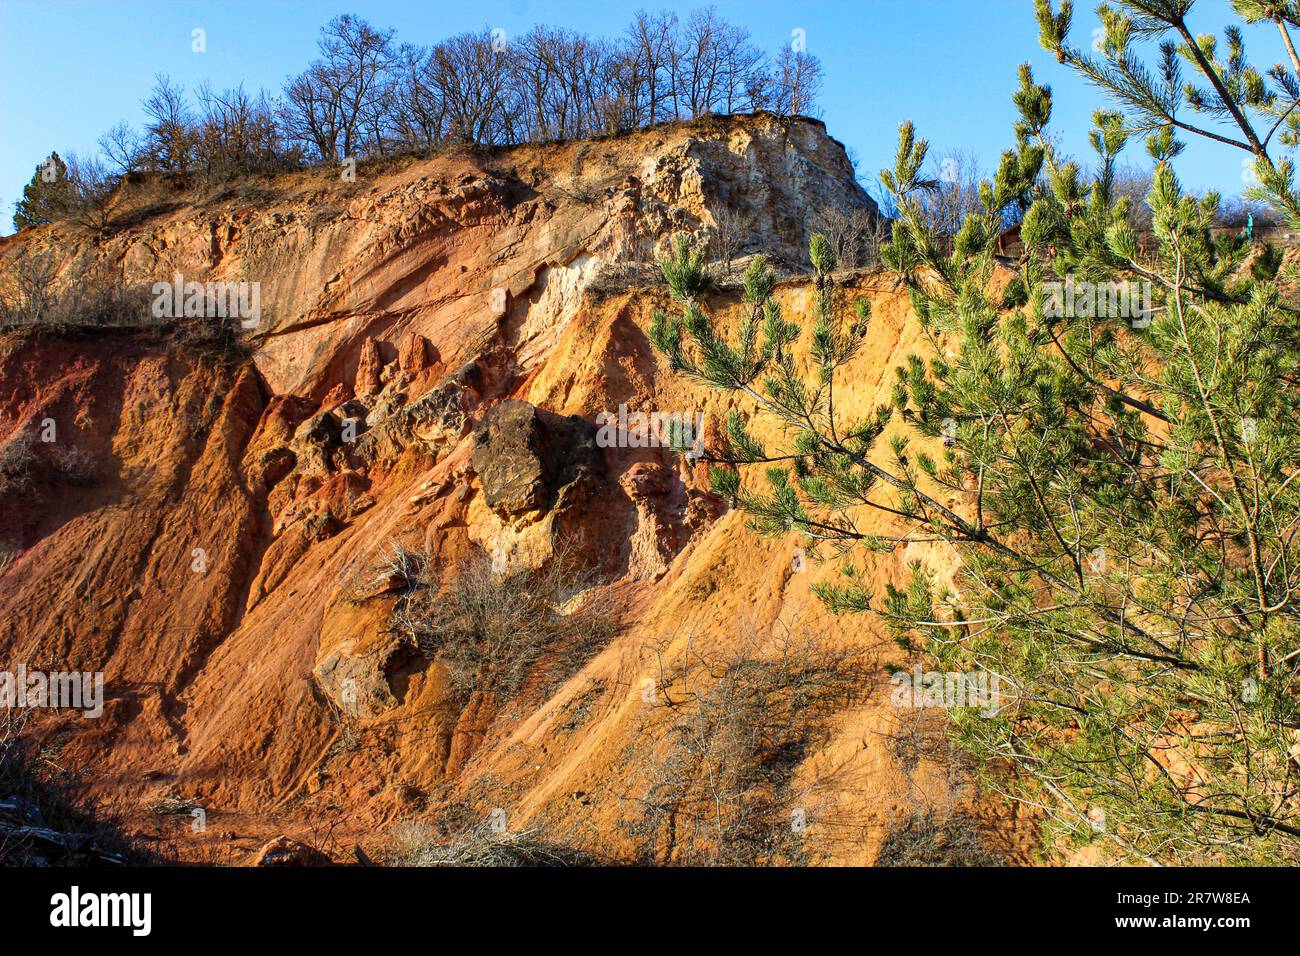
367,95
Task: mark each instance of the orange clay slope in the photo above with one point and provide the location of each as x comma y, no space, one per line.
435,344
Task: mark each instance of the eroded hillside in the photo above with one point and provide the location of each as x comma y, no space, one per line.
436,341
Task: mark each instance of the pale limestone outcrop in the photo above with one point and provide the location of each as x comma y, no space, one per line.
463,248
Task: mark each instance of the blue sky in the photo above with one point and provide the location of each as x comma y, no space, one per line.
69,69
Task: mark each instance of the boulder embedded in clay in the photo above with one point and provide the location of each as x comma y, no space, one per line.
525,455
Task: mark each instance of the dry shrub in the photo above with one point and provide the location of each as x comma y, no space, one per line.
28,298
417,843
45,815
22,464
937,832
917,735
216,338
17,463
935,838
493,629
856,235
75,465
172,805
28,288
406,567
723,790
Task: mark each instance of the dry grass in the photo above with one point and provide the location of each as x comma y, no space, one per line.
722,791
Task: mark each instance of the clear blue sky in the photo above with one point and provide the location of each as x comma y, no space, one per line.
69,69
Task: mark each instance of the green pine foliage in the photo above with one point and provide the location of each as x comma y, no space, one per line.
45,198
77,191
1126,519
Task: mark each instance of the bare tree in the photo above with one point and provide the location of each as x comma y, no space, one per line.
312,111
855,234
363,94
470,71
122,148
91,187
169,133
719,68
653,45
361,59
562,77
701,65
339,103
743,77
1135,183
419,108
954,192
235,132
726,237
625,83
797,81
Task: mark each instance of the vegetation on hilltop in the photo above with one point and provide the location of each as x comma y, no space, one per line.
367,95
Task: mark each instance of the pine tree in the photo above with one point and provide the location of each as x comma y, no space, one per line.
1115,431
45,198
